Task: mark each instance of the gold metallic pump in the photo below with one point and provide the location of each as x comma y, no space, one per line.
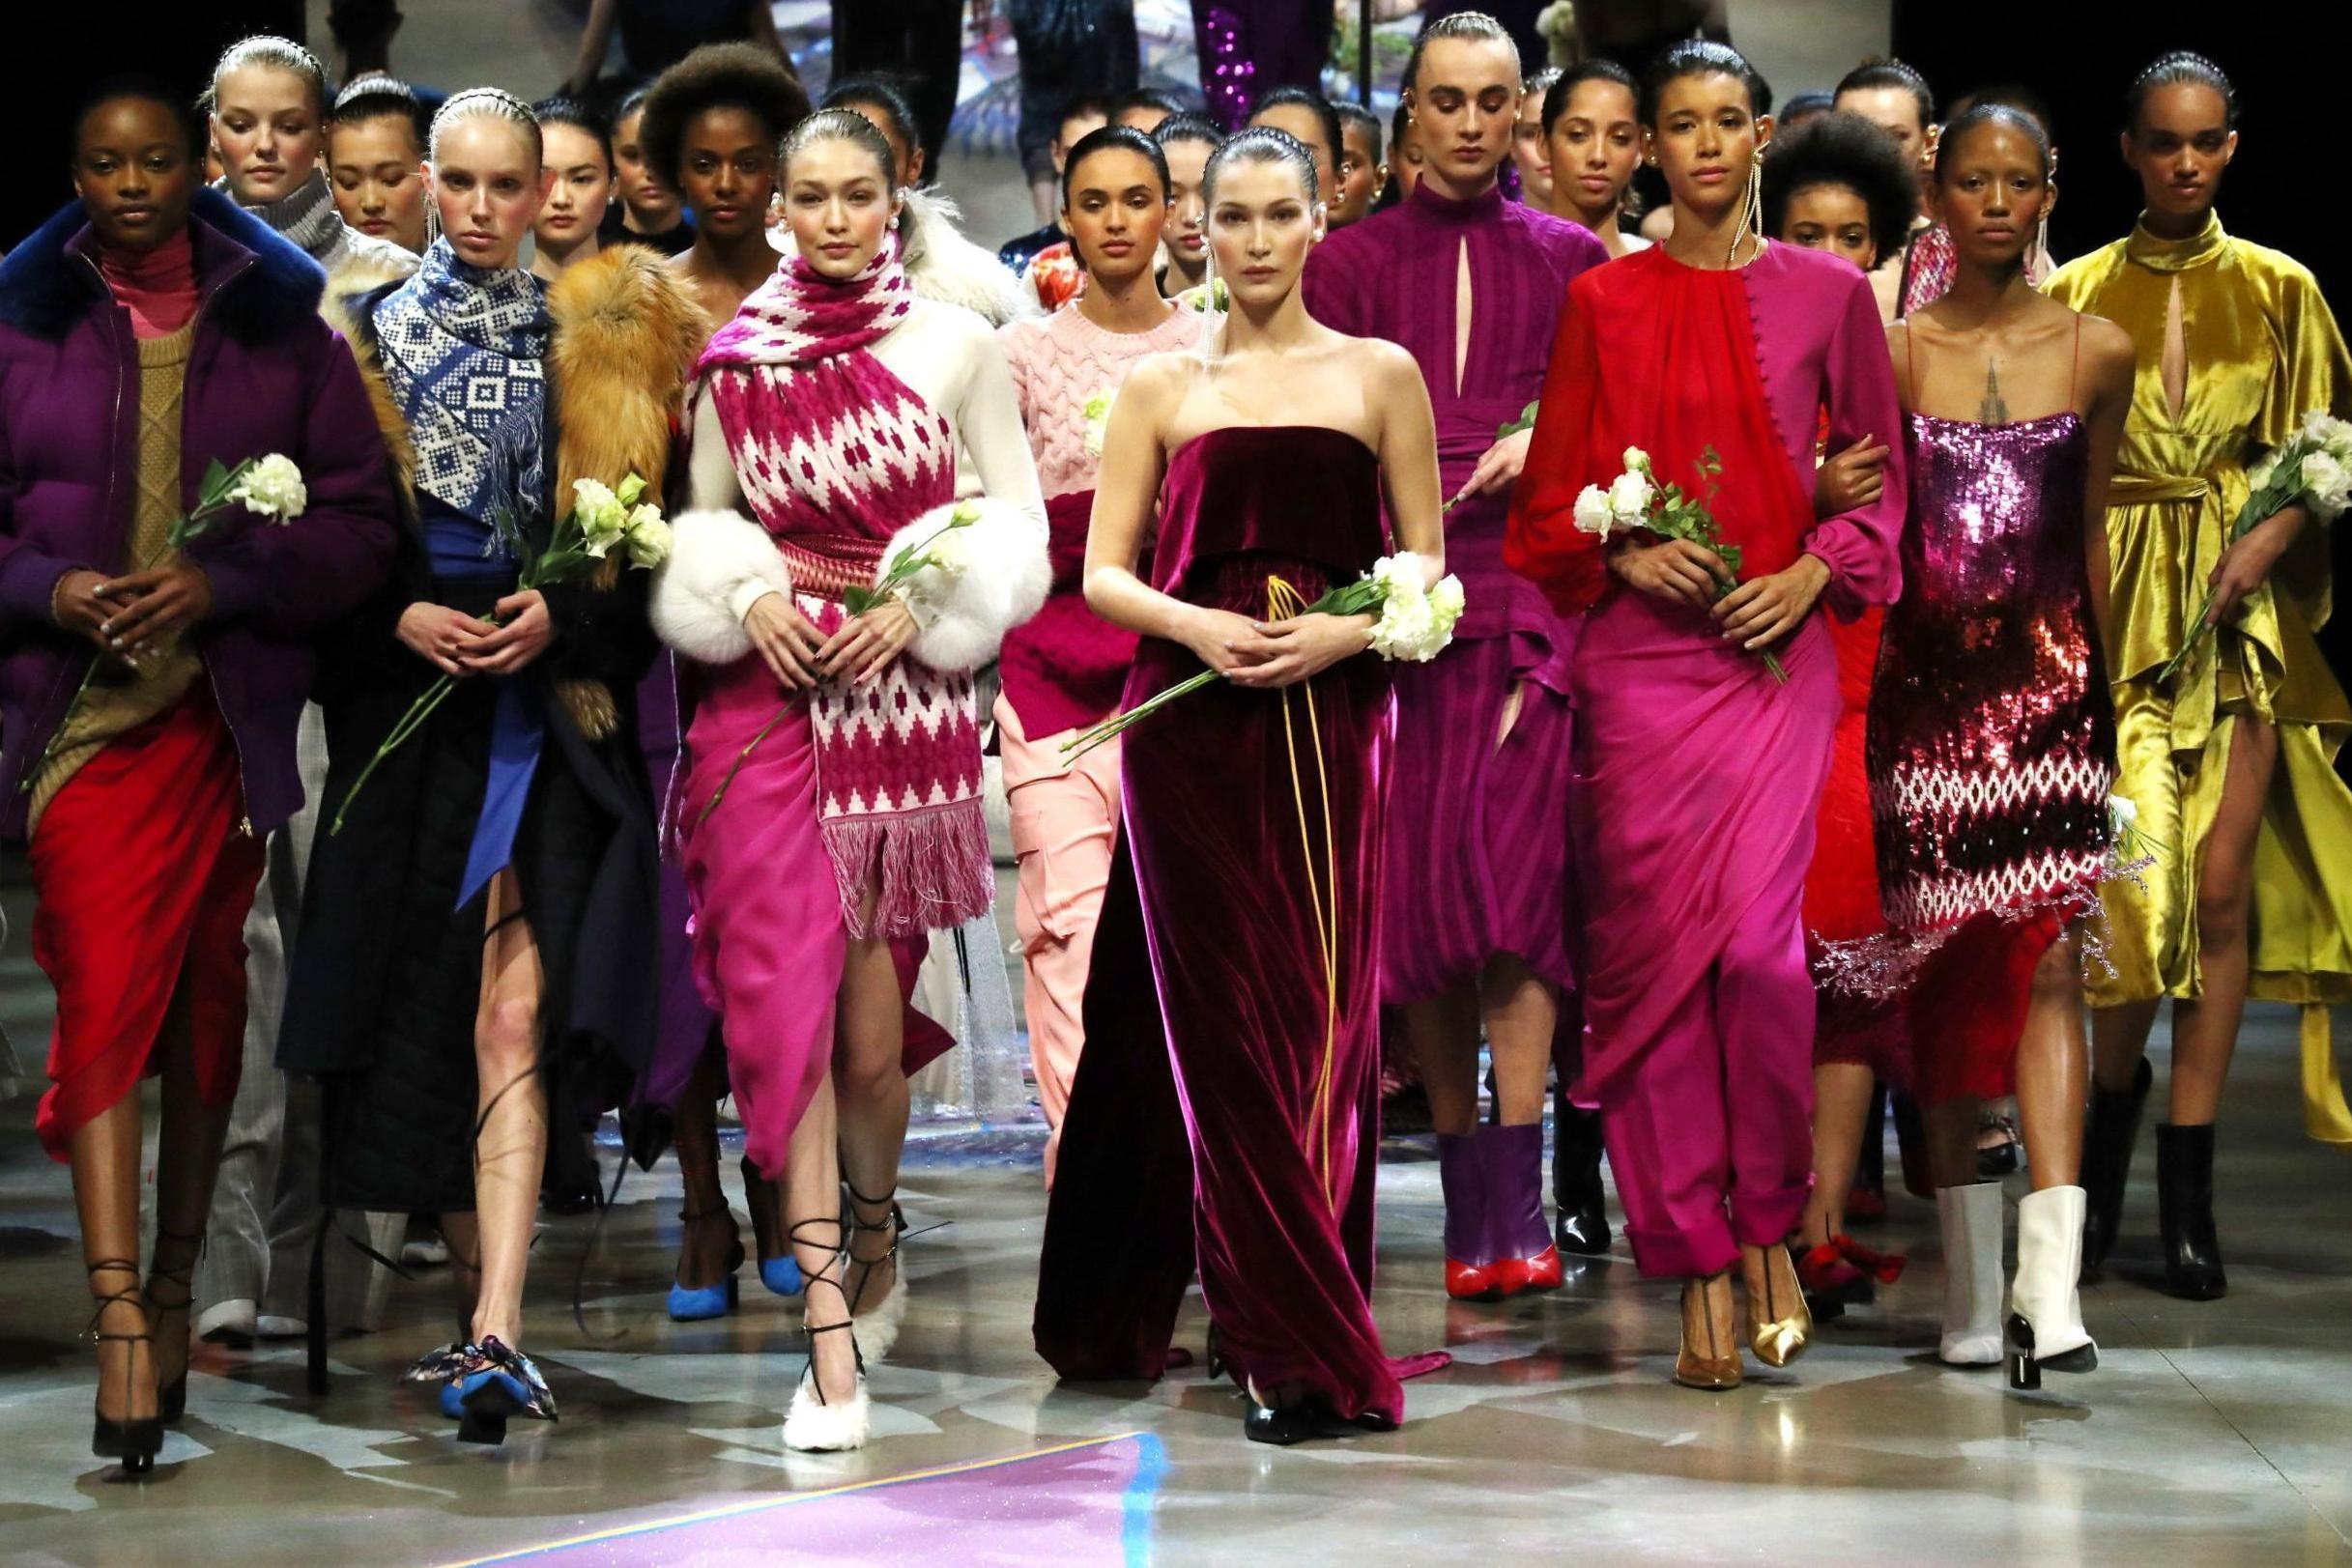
1708,1361
1777,1336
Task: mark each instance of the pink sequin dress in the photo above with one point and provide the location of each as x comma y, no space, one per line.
1992,741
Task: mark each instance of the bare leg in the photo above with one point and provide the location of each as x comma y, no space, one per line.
869,1085
706,1244
104,1156
2052,1065
1444,1035
2205,1031
463,1234
1841,1109
813,1199
188,1156
1520,1011
510,1151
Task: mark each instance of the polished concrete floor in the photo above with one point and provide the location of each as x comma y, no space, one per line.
2217,1432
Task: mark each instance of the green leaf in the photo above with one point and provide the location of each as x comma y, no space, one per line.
857,601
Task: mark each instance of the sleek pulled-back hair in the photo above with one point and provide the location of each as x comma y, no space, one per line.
1114,139
717,76
1159,98
1847,151
1189,128
140,87
2178,68
838,125
277,54
380,97
1474,25
1564,87
1306,98
568,111
1990,114
881,96
1356,114
1885,71
1694,57
486,103
1262,144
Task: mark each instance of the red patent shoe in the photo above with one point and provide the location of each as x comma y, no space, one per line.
1540,1273
1472,1282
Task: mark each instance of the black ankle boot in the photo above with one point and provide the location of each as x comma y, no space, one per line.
2107,1163
2184,1196
1580,1213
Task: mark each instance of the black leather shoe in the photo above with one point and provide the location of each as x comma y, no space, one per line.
2106,1163
2184,1205
1579,1212
1306,1421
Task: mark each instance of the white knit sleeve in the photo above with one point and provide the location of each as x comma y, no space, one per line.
721,562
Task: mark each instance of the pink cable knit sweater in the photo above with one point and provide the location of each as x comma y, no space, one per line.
1062,359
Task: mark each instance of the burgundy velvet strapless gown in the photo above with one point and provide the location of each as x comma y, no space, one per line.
1253,823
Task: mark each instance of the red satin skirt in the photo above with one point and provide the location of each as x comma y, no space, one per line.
144,876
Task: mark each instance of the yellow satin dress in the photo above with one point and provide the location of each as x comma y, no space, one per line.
2262,351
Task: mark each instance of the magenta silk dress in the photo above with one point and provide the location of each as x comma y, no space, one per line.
1478,856
1700,776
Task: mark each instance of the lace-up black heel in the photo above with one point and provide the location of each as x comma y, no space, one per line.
171,1398
879,1325
135,1440
814,1424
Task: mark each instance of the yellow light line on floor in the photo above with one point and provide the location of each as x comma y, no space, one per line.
732,1509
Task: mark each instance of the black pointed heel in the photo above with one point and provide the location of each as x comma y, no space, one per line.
171,1398
134,1442
2026,1368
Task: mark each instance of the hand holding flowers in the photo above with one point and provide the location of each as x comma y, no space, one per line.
2312,466
1411,619
138,616
1691,563
519,629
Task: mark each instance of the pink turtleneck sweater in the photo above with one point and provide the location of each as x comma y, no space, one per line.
158,287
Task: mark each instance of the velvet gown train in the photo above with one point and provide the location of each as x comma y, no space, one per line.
1253,826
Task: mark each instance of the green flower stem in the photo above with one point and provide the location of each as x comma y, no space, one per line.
718,795
1118,722
857,601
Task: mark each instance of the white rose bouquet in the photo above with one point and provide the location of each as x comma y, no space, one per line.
1415,624
2312,466
270,487
602,519
1635,500
937,553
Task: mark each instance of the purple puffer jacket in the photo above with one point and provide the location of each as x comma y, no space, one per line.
264,374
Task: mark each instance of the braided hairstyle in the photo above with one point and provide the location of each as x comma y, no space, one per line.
2181,67
484,103
274,53
1263,144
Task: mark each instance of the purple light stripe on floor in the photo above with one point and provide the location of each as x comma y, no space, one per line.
1085,1503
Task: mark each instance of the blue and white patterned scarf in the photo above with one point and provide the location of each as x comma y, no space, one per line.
463,352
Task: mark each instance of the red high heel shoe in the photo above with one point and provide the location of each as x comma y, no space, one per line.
1473,1281
1541,1272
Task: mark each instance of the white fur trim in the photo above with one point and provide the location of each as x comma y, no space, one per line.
964,618
878,1330
813,1427
944,266
719,563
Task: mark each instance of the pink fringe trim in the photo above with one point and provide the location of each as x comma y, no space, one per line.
928,868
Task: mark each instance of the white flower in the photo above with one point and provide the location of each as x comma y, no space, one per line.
1096,412
648,537
602,520
1446,602
273,487
2260,474
1630,497
2324,482
2122,811
1557,21
1637,461
1407,629
951,553
1593,513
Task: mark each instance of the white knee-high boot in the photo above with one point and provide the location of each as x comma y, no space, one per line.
2045,1327
1969,1217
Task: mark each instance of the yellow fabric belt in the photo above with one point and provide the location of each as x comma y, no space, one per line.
2148,489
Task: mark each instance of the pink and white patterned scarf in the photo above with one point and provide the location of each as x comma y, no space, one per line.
835,455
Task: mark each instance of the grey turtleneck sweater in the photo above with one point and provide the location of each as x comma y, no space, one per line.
307,217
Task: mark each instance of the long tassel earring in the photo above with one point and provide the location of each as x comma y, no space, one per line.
1751,216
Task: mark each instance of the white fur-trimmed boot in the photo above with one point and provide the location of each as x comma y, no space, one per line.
1969,1216
2045,1328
